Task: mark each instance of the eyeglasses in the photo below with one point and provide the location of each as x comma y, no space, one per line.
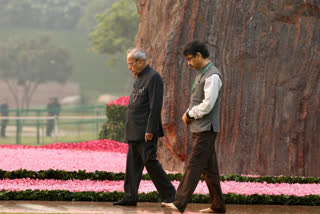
131,63
190,58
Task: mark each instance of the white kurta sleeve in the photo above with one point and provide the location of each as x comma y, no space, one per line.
211,89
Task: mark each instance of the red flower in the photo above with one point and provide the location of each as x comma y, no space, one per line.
122,101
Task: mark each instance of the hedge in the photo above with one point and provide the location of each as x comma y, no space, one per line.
103,175
230,198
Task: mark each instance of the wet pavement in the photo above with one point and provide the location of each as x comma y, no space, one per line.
142,208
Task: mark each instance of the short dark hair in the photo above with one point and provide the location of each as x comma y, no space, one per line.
194,47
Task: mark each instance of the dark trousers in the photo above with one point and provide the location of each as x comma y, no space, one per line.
3,127
142,154
50,127
203,160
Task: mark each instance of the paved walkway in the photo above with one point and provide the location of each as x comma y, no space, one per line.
142,208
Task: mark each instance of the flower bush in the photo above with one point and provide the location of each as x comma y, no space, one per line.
121,101
116,112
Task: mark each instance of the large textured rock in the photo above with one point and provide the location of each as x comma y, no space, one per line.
269,53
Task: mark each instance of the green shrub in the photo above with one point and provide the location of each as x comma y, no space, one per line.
230,198
111,176
113,129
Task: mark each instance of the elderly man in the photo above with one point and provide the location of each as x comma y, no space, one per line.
203,116
143,128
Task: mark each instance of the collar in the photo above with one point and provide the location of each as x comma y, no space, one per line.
203,67
145,70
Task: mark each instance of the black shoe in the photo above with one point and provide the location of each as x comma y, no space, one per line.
125,202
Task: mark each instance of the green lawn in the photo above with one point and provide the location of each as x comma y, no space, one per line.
69,129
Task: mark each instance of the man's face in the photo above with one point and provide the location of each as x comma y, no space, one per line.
134,65
194,61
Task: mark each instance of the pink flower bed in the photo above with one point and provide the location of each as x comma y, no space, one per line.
147,186
95,145
270,189
107,155
69,160
102,155
122,101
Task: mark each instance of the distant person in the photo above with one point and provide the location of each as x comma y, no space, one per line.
203,118
4,109
57,109
143,128
56,106
51,112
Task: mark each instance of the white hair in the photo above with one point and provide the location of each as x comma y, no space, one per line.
137,53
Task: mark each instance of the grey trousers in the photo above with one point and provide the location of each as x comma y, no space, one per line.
203,160
140,155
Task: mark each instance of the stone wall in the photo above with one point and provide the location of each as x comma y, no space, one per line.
269,53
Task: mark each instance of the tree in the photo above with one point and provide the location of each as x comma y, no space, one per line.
116,29
25,64
88,22
269,53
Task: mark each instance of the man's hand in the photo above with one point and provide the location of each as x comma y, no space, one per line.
148,136
185,119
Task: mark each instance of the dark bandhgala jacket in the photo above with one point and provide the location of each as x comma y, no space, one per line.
144,109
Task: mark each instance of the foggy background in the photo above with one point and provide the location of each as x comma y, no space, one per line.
54,48
70,51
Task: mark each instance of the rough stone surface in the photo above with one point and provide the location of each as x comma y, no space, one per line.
269,53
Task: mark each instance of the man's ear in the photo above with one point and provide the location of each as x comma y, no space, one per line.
139,61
